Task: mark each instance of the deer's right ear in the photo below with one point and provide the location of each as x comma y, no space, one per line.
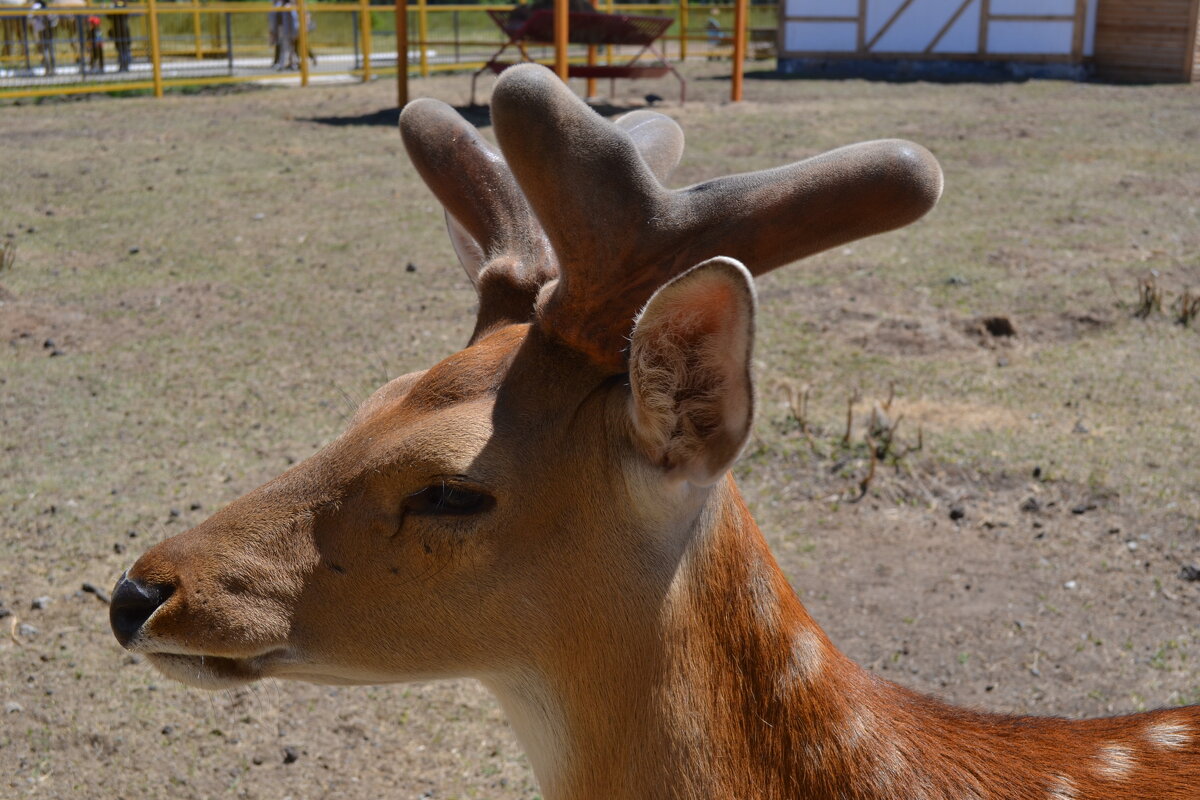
689,371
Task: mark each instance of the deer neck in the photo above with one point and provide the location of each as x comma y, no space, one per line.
719,685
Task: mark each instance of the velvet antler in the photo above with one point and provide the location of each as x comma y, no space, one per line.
495,233
618,233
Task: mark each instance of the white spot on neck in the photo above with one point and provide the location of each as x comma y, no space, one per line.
805,660
1116,762
1169,734
1063,788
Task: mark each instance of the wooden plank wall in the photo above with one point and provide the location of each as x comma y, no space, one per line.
1146,40
1196,47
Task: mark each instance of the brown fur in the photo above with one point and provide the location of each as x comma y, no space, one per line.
615,594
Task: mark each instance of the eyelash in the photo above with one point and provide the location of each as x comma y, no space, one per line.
446,499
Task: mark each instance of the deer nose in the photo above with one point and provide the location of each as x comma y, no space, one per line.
132,604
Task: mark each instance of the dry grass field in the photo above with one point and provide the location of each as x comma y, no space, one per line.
202,288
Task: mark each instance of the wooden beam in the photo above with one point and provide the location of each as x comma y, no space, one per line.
1033,17
1193,44
879,33
816,19
985,12
1022,58
950,24
860,44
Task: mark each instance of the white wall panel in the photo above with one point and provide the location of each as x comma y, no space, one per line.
822,8
913,30
823,37
963,36
1034,7
879,12
1048,38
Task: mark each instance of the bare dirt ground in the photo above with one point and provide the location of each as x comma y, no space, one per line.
205,286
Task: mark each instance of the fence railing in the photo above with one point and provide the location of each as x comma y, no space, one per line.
160,45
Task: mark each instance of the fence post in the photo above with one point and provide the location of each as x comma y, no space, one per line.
423,37
196,29
561,38
229,40
402,52
739,49
155,50
683,29
364,30
302,40
591,62
608,48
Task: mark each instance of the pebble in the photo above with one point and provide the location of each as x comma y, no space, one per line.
13,708
1131,545
1189,572
1070,585
290,755
40,603
27,630
957,513
92,588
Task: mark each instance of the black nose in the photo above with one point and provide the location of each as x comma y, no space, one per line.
132,604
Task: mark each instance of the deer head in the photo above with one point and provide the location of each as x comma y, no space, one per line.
522,509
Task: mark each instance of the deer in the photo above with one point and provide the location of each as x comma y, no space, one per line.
550,510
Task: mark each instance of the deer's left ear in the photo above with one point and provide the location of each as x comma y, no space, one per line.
689,371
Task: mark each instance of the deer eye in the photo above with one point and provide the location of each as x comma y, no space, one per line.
448,499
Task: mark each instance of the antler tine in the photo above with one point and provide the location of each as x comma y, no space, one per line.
593,193
495,233
770,218
469,178
619,234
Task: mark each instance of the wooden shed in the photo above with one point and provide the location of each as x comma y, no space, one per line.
1147,40
1130,40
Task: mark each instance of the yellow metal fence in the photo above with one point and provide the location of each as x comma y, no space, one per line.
71,49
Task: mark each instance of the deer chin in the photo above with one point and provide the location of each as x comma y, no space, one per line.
216,672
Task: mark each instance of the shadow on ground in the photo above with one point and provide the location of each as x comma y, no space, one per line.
478,115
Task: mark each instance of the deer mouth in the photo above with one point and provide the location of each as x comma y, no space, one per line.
215,672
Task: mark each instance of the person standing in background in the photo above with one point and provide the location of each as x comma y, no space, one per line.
118,31
284,25
95,42
43,32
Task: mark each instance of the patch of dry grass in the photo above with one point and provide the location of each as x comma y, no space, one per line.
223,278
